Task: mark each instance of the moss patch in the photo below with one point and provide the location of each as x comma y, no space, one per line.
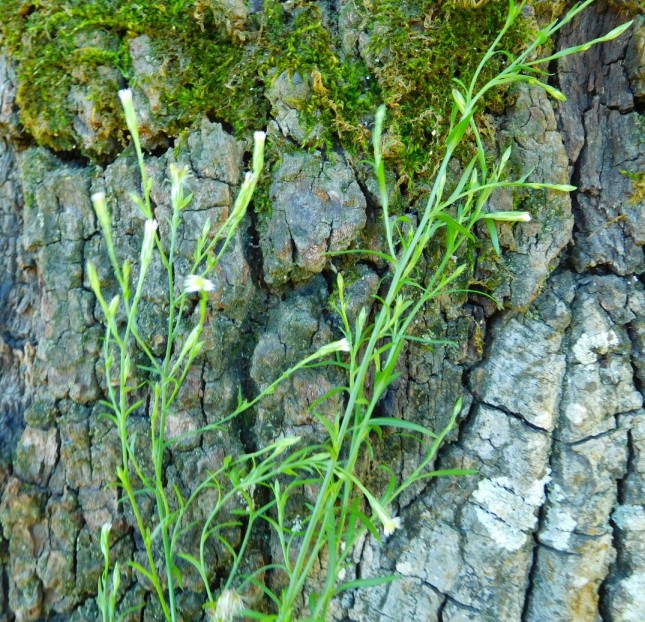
73,55
417,48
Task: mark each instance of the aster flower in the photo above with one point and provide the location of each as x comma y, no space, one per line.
195,283
149,230
229,605
390,525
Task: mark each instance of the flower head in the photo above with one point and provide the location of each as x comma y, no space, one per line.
343,345
195,283
229,605
125,95
391,525
149,230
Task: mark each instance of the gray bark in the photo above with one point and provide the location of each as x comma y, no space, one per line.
552,528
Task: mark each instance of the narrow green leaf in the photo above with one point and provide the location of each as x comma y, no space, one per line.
371,582
449,220
492,231
392,422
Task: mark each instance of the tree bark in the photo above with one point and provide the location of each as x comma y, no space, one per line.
551,528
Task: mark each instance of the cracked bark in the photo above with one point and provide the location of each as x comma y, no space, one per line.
553,526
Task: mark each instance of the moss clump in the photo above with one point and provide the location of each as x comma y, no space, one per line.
344,94
416,50
73,55
212,64
638,182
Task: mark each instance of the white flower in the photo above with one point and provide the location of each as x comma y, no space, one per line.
100,207
125,95
390,525
259,137
343,345
229,605
196,283
149,230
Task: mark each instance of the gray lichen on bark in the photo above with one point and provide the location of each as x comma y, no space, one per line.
553,525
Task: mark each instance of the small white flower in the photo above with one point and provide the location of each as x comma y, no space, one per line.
259,137
390,525
100,207
195,283
343,345
149,230
229,605
125,95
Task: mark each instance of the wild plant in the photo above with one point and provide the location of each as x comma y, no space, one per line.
344,507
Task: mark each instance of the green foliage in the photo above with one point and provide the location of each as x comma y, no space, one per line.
417,48
344,507
208,70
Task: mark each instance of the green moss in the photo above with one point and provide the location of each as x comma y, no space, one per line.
343,93
69,52
638,182
417,48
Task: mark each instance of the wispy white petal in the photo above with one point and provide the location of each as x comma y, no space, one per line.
195,283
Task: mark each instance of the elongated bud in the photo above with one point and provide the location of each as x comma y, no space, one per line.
148,242
127,366
340,282
105,539
206,228
191,342
258,151
283,444
335,346
553,92
100,207
93,277
114,306
116,578
360,321
504,159
459,99
127,270
125,95
178,176
508,216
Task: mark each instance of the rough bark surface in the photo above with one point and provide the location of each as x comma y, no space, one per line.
552,528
